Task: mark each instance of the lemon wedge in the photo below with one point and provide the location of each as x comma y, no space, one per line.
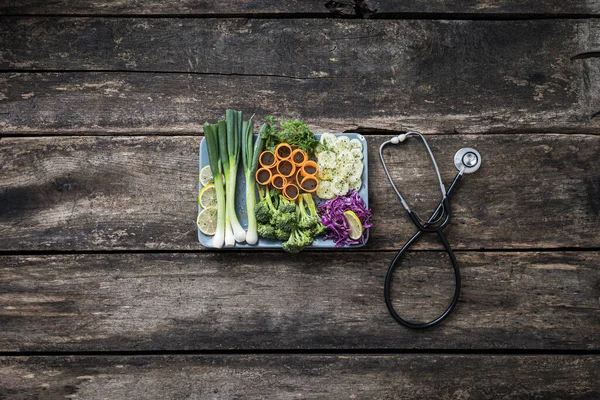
208,196
207,221
206,176
356,228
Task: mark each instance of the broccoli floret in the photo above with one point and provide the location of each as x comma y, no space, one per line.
262,212
266,231
285,221
264,209
312,207
298,240
305,221
286,206
282,235
318,229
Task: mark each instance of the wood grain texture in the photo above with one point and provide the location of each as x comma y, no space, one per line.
376,8
171,75
270,300
301,376
368,8
139,193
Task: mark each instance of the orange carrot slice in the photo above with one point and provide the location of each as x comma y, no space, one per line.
299,157
263,176
267,159
291,192
286,168
283,151
310,168
309,184
278,181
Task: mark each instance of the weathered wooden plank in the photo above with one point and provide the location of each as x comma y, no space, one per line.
301,376
136,193
436,76
368,8
182,7
376,8
251,301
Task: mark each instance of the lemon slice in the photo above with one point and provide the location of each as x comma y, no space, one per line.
206,176
356,228
208,196
207,221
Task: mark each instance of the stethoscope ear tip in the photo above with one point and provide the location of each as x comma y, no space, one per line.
398,139
467,159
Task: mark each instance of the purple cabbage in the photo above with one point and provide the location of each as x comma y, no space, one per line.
332,216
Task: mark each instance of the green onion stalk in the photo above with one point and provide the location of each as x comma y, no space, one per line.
234,145
250,156
212,142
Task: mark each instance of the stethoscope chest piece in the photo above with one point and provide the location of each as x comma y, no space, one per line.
467,158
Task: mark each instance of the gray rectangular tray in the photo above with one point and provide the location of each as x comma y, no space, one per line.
240,202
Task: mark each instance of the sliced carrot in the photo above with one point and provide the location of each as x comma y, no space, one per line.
313,168
267,159
299,157
278,181
291,192
263,176
309,184
286,168
283,151
299,176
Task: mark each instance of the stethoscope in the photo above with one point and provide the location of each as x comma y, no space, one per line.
466,160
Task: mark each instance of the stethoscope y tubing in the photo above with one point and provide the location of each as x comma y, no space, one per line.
455,267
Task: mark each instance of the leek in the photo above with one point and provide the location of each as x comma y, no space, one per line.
234,145
212,143
250,156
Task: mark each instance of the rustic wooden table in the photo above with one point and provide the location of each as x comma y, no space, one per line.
105,292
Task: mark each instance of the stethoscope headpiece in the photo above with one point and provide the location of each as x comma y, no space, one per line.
467,159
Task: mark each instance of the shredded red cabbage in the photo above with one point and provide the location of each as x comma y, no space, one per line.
332,216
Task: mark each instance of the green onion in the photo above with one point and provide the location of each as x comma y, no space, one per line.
250,160
212,143
234,144
224,155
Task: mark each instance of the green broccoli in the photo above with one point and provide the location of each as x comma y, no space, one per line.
285,205
305,221
298,241
285,221
281,235
262,210
266,231
318,230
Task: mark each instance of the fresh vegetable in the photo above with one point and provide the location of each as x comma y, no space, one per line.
275,211
264,208
307,227
212,143
332,216
283,151
230,157
297,241
263,176
267,158
340,165
294,133
250,155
